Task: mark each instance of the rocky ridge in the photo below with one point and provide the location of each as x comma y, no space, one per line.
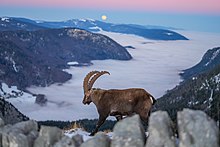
195,128
209,60
9,114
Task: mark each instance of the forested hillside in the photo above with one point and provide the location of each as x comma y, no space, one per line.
201,91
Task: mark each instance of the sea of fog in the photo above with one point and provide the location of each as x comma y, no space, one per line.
155,67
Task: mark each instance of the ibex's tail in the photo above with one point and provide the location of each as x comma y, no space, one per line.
153,100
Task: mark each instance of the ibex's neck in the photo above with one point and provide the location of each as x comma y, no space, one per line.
96,95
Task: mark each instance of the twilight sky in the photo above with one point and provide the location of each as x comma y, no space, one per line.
198,15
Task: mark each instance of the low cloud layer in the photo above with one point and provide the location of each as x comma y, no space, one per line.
155,67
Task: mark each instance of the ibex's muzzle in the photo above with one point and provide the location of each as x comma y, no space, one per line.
86,102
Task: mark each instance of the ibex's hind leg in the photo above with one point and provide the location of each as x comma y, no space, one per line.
144,117
118,117
99,123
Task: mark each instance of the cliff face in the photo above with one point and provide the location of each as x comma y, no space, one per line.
9,114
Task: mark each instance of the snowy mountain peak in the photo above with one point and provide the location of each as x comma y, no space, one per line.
92,25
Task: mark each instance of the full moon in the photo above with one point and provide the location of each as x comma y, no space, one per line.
104,17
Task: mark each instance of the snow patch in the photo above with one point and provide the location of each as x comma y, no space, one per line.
13,63
215,54
13,94
95,28
78,131
73,63
83,20
91,20
6,19
77,33
194,78
39,21
217,78
84,134
169,34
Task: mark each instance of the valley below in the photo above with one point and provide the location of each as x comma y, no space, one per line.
155,66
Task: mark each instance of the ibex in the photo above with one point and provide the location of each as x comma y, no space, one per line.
115,102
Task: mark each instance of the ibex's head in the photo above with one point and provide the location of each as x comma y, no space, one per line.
88,82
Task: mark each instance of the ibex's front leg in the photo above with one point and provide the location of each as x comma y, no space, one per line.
101,120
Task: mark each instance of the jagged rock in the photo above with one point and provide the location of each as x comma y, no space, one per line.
48,136
78,140
9,114
160,130
129,132
99,140
14,140
26,127
40,99
66,141
21,134
196,129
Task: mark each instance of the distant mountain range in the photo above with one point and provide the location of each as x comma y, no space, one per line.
39,57
45,48
150,32
13,24
200,89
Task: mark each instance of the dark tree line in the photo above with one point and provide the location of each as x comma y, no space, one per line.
86,124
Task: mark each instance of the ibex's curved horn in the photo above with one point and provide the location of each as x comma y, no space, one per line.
86,80
95,77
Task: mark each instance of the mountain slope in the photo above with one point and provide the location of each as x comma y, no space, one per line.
7,23
46,52
209,61
91,25
202,92
20,69
9,113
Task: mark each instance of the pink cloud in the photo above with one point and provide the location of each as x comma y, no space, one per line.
196,6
